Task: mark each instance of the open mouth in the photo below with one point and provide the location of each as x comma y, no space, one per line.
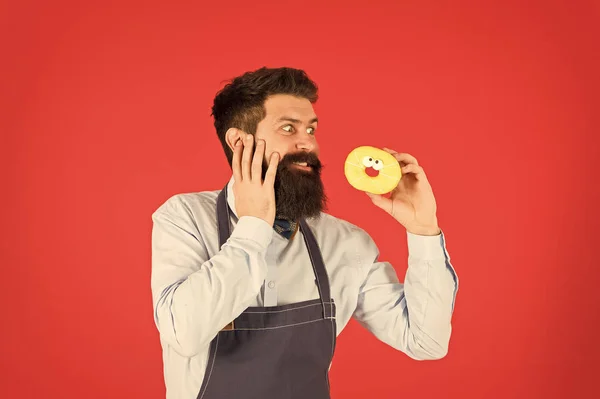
302,165
372,172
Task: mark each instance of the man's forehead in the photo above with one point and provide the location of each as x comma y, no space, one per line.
285,107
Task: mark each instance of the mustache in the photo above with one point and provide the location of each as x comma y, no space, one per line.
310,158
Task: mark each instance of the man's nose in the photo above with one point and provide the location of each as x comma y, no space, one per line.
306,142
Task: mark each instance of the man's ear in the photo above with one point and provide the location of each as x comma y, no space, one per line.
233,135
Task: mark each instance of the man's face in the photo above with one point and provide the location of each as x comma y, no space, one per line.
289,128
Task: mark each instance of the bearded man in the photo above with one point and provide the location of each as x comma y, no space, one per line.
253,283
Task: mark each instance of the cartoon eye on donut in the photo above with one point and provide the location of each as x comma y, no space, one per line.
373,170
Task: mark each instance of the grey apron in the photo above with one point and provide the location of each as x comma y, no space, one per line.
275,352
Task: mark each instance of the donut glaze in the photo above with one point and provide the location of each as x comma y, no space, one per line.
383,164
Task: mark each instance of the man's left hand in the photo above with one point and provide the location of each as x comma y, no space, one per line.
412,202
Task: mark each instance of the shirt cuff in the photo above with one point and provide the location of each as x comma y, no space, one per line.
255,229
426,247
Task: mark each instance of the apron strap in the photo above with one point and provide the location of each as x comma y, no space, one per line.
223,217
316,259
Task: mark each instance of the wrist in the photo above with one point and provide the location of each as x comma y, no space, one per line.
429,230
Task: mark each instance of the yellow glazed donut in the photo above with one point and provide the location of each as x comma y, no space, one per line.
377,162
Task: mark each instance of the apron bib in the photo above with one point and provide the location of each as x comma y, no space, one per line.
274,352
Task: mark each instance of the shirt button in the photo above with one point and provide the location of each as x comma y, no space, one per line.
271,284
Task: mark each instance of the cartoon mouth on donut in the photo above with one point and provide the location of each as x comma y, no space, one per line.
372,170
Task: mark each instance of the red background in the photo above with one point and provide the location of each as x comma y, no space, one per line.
105,114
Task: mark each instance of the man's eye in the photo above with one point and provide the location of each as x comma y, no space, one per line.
288,128
311,130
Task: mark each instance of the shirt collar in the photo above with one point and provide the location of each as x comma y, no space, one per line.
231,197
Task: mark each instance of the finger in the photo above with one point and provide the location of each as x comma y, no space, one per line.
406,158
236,161
403,157
257,161
381,201
414,169
246,157
272,170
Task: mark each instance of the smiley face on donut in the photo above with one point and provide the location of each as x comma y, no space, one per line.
372,170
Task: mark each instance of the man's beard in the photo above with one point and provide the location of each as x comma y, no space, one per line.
298,193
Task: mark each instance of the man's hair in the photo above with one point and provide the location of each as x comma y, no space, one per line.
240,104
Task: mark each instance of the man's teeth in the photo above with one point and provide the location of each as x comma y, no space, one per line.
301,163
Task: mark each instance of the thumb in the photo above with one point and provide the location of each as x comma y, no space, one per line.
381,201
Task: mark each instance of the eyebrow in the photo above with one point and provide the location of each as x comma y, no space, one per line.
293,120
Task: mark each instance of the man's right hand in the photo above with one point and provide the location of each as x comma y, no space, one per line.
253,197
